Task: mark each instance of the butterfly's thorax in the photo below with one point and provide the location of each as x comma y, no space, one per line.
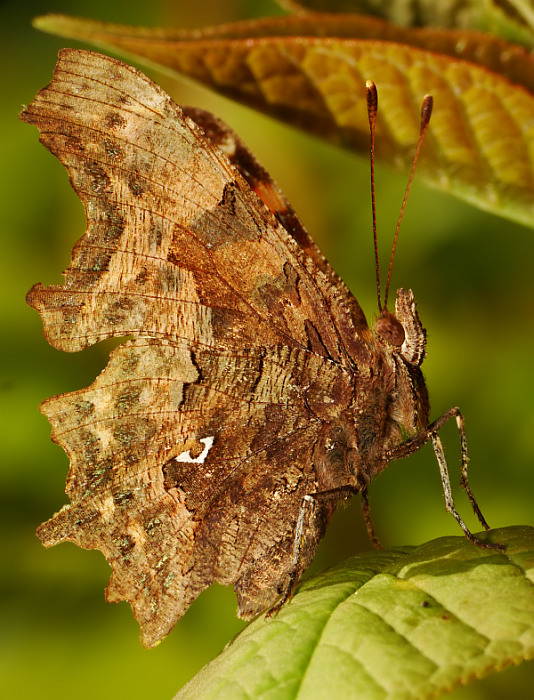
408,410
389,403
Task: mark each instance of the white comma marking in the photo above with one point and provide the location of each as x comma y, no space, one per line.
186,456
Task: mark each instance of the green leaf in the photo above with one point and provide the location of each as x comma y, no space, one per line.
410,622
311,72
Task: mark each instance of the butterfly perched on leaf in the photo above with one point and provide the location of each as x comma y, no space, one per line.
249,396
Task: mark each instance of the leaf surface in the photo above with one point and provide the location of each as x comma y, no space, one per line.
511,20
410,622
311,73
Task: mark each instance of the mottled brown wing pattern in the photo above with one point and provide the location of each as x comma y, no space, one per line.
177,245
272,196
188,467
237,336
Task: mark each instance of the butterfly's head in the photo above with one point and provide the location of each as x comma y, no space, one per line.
403,341
402,330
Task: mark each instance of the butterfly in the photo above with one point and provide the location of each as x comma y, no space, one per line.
248,395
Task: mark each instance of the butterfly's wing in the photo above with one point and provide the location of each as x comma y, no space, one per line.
272,196
192,451
188,466
170,222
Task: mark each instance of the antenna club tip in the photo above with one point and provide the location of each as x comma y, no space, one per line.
372,99
426,109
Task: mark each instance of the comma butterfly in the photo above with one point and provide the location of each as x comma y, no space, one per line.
250,397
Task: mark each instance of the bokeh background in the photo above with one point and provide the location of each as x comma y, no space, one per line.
473,278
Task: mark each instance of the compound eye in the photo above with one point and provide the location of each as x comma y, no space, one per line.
390,329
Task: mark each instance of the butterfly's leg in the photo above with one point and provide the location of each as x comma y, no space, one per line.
460,422
308,510
368,521
431,434
446,483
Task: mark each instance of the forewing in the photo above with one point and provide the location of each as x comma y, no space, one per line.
274,199
177,245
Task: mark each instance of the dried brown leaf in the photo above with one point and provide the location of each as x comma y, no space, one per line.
512,20
480,146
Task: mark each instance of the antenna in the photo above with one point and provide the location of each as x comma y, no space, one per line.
372,108
426,113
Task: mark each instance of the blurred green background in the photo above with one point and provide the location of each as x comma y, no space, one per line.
473,278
